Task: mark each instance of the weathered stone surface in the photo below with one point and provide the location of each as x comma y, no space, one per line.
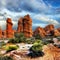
4,34
51,53
9,30
20,25
58,29
27,26
49,29
56,32
40,31
0,32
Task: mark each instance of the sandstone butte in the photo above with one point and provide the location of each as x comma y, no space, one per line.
40,31
9,29
25,26
49,29
58,29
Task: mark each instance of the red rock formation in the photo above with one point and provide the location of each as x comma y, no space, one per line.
58,29
9,30
56,32
40,31
4,34
0,33
27,26
49,29
20,25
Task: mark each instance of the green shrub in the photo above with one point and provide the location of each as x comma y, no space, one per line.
36,49
2,44
19,37
11,47
37,36
5,58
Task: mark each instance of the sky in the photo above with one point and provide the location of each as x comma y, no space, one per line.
42,12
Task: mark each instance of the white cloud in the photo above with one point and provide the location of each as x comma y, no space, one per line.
26,6
41,25
46,19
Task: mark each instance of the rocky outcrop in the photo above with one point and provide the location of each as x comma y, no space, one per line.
4,34
20,25
58,29
0,32
49,29
40,31
56,32
9,30
27,26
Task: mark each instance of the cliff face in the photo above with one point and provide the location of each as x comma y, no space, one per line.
20,25
25,26
9,30
49,30
56,32
0,32
58,29
49,27
40,31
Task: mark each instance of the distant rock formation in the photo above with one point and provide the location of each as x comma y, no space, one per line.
56,32
58,29
9,30
25,26
40,31
49,29
0,32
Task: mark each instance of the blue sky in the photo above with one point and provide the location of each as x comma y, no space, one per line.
42,12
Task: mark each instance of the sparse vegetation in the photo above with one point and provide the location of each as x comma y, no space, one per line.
2,44
19,37
36,49
11,47
5,58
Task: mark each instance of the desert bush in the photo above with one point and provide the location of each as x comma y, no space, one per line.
11,48
5,58
37,36
2,44
19,37
36,49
